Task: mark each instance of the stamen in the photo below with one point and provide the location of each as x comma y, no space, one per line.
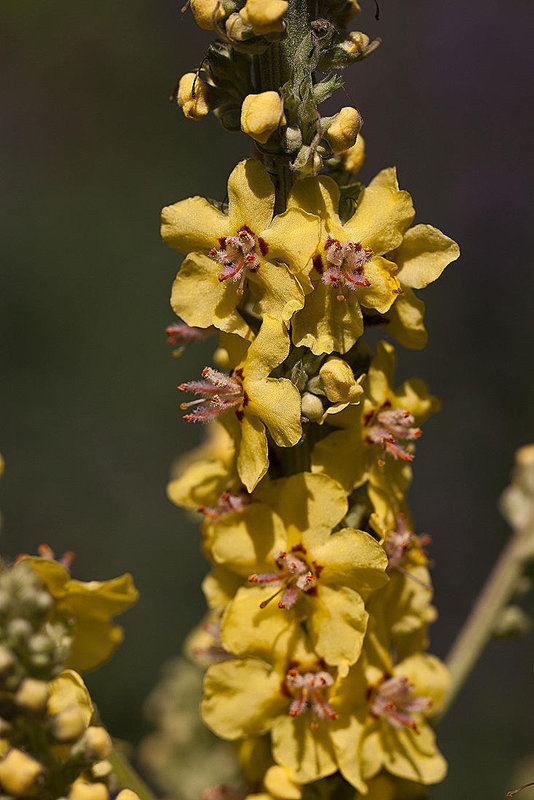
238,257
219,393
393,700
184,335
390,425
345,265
227,502
308,689
295,577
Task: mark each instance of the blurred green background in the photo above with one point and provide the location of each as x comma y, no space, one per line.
89,410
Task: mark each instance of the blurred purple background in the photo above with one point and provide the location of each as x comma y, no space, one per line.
90,422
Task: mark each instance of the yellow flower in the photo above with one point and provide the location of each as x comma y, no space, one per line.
344,130
390,705
423,255
349,268
261,115
265,16
376,441
92,605
193,96
207,12
250,401
317,575
243,257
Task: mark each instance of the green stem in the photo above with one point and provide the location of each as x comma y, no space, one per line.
128,777
277,66
497,592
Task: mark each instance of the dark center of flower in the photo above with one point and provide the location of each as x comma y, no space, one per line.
309,691
394,701
238,256
345,265
294,575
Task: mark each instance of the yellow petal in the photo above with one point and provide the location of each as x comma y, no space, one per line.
341,455
384,288
275,291
253,456
405,320
278,781
430,676
69,689
193,224
241,698
219,586
269,633
312,504
319,196
293,238
276,401
352,558
308,754
382,216
346,734
250,197
246,541
201,299
402,756
423,255
337,624
268,350
326,324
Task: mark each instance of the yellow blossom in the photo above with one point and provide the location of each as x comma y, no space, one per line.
193,96
316,574
375,443
350,270
245,257
265,16
261,115
250,401
343,132
92,605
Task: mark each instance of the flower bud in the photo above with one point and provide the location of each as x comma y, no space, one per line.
265,16
96,743
19,773
261,114
101,769
192,96
7,659
512,623
82,790
69,724
345,128
127,794
311,407
353,158
277,781
32,695
238,29
339,383
206,13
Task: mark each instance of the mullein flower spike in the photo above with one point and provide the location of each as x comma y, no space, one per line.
320,596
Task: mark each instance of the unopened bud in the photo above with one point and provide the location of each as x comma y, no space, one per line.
192,96
19,773
237,29
69,724
343,131
19,629
82,790
101,769
353,158
311,407
261,114
7,659
339,382
32,695
127,794
206,13
292,139
512,623
96,743
265,16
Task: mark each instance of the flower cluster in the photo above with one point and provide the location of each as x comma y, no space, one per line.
320,594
